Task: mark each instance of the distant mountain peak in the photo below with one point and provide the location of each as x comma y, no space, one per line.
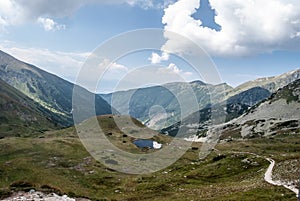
293,71
270,83
199,82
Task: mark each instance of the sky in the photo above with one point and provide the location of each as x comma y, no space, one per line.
241,39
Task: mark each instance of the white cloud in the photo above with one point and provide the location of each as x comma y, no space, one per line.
112,66
295,35
13,12
173,70
50,25
151,75
248,26
9,13
150,4
63,64
67,65
156,58
97,70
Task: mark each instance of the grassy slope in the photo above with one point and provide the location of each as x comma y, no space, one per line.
59,162
20,115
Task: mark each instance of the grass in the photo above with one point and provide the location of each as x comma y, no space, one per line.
58,162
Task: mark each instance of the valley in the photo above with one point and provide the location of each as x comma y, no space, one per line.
59,163
150,100
252,134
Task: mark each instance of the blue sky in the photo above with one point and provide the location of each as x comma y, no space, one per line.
246,39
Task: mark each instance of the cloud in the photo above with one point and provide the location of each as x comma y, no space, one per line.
67,65
50,25
247,27
63,64
14,12
150,75
173,70
150,4
9,13
112,66
156,58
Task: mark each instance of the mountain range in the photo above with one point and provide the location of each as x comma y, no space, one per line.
255,121
277,113
199,121
139,102
51,92
157,107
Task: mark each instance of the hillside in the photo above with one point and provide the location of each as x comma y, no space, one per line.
198,122
250,97
59,163
139,102
20,115
50,91
272,84
278,114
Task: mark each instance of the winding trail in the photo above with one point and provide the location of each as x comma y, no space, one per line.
268,178
269,173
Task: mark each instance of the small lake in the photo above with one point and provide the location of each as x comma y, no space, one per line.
147,144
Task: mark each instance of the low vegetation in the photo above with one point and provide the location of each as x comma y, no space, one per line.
57,162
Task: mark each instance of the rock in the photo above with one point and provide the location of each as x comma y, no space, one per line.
33,195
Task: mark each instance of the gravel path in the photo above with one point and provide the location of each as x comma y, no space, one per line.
268,178
269,173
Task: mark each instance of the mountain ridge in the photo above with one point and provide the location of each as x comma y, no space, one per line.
49,90
138,102
278,114
235,108
155,106
272,83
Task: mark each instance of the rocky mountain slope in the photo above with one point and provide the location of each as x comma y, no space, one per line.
238,101
50,91
233,107
278,114
20,114
272,84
